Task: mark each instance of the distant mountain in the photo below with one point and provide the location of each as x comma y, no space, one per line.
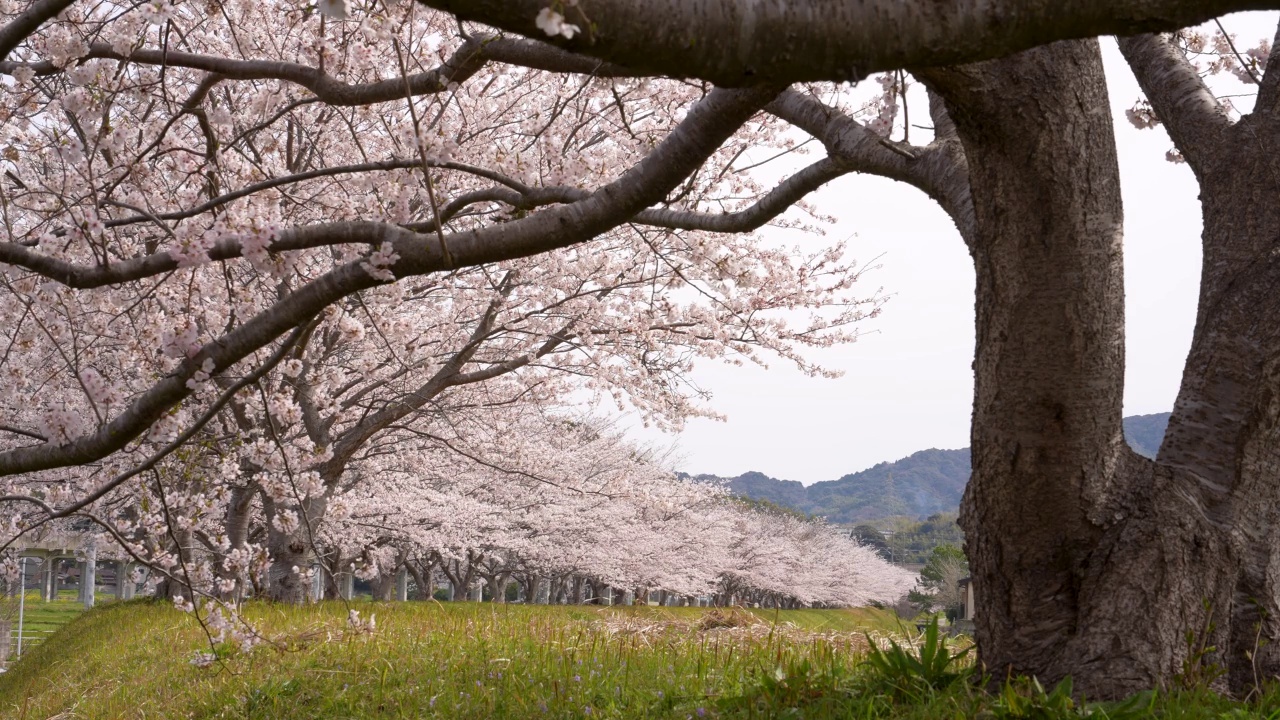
919,485
1146,432
924,483
759,486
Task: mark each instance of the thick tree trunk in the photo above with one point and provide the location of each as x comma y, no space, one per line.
421,574
173,583
291,552
239,510
384,586
533,585
461,575
1224,435
498,586
289,557
1090,561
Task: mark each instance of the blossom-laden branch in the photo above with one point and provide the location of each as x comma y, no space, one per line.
706,127
1173,71
939,169
180,194
82,276
1269,89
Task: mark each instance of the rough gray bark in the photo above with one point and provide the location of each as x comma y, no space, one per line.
384,587
497,584
1223,439
239,510
461,575
421,571
469,58
938,169
532,585
173,583
283,583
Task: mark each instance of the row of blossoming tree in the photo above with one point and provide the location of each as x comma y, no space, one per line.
584,516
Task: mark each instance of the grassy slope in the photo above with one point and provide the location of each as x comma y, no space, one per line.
425,660
428,660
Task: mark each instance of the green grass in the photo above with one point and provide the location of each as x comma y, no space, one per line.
848,620
467,660
48,616
40,618
424,660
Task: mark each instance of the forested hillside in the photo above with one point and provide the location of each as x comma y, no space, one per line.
919,485
924,483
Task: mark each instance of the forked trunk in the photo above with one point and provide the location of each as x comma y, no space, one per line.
1090,561
238,516
421,574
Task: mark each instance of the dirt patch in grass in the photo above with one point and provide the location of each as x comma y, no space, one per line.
727,618
725,626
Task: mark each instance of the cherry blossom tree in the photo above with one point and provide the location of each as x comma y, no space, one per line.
187,210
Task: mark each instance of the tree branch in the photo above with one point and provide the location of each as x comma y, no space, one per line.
939,169
180,440
466,61
80,276
312,175
95,276
754,216
20,431
294,310
27,22
1189,111
735,43
1269,91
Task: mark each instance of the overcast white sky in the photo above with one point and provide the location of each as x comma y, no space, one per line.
909,385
